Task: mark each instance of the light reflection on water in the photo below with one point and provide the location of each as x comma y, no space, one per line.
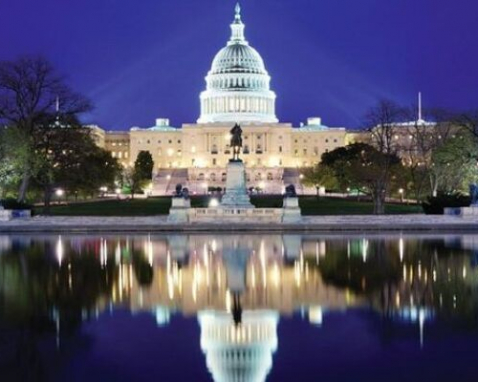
239,287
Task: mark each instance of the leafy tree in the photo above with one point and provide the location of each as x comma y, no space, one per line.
455,163
320,176
141,174
30,88
67,157
144,165
468,121
363,167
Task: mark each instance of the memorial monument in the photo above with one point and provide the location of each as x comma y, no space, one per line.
236,195
180,205
235,206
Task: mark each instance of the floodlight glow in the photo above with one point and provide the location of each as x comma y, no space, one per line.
214,203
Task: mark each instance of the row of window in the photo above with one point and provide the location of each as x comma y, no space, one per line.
120,154
216,163
119,143
212,176
148,141
327,140
316,152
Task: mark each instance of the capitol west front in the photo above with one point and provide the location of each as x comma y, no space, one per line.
237,91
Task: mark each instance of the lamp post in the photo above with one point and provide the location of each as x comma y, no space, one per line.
401,191
59,193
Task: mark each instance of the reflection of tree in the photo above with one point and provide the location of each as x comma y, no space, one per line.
429,275
363,274
38,296
142,269
35,287
456,296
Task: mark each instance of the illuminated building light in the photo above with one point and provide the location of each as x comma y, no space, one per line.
316,315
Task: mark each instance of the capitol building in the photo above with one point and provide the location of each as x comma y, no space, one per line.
238,90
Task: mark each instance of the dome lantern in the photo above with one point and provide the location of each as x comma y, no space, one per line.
237,28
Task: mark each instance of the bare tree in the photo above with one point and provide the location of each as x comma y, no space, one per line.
383,123
424,138
30,88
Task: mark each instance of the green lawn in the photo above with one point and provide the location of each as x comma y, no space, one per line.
160,206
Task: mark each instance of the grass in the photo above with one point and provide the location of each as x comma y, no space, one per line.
310,205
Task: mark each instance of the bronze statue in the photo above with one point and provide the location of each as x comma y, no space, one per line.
290,191
236,142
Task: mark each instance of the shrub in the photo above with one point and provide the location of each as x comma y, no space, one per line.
12,204
436,205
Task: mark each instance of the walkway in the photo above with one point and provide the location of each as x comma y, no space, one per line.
309,223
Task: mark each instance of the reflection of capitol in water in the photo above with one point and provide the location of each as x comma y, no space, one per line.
239,285
215,277
196,273
239,353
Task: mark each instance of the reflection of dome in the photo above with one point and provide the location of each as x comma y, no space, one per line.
162,315
242,353
238,83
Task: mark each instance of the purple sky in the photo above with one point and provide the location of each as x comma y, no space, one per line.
138,60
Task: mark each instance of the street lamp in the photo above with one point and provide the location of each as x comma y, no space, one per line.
401,191
59,193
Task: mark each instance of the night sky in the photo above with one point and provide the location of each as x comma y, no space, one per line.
142,59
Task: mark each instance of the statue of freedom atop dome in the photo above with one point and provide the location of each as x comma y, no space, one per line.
236,142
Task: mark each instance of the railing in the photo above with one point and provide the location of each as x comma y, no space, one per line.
236,214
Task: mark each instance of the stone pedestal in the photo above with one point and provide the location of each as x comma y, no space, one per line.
179,212
236,189
4,214
291,209
462,211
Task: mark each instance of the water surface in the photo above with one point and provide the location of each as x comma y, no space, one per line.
239,307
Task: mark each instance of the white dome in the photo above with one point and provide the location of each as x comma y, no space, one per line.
238,58
238,85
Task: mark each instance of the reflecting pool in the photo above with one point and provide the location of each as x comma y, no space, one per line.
239,307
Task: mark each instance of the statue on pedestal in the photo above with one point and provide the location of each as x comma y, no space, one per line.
181,192
236,142
290,191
